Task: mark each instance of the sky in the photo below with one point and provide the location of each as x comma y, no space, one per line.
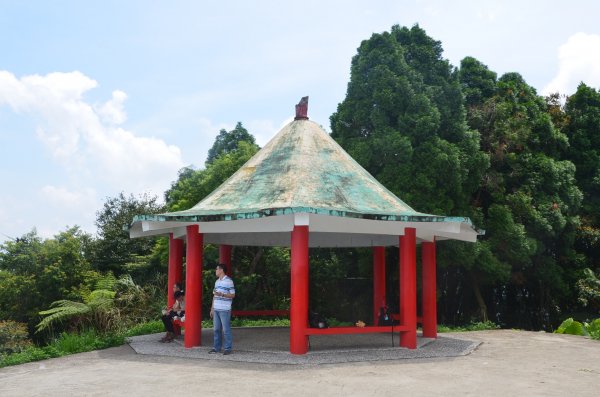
103,97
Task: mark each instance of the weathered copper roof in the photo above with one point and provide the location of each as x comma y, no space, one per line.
302,167
302,170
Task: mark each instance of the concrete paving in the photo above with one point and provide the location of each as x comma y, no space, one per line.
506,363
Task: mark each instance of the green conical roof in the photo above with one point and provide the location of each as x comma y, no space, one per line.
302,170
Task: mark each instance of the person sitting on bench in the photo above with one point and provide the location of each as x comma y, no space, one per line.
176,312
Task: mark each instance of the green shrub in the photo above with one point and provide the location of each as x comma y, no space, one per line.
150,327
76,343
260,322
476,326
571,327
482,326
65,344
593,329
87,341
13,337
30,354
334,322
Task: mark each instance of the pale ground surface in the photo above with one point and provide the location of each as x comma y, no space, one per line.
506,363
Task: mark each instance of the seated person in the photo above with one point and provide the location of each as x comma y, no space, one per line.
177,311
176,287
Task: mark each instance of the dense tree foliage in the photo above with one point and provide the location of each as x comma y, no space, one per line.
228,141
35,272
403,119
529,198
463,142
583,114
114,250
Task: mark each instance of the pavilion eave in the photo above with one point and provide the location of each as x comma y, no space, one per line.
326,230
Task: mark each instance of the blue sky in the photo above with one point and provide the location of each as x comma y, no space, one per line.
99,97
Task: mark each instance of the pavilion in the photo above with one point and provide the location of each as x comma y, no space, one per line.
303,190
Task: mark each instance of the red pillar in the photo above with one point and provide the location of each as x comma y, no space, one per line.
429,290
299,291
378,281
175,266
193,281
225,257
408,288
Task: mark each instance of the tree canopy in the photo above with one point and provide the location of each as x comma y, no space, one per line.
228,141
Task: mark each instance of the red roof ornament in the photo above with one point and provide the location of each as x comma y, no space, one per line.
302,109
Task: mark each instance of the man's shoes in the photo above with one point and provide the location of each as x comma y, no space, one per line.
227,352
213,351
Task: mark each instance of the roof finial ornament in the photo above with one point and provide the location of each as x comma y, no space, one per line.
302,109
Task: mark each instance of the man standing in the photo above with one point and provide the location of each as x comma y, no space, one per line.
220,310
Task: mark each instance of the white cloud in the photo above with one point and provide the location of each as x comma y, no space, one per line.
113,111
87,140
578,60
263,130
95,154
63,197
59,206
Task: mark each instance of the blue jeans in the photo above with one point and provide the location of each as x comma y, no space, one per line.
222,323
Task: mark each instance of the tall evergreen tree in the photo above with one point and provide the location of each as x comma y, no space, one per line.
403,119
113,249
228,141
529,197
583,129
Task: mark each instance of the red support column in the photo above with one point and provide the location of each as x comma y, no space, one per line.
225,257
429,290
408,288
175,266
175,271
299,291
193,294
179,261
378,281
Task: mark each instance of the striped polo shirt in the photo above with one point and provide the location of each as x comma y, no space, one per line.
224,285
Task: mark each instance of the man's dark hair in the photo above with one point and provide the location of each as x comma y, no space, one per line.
223,267
178,294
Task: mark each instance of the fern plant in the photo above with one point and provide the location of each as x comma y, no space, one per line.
115,304
97,309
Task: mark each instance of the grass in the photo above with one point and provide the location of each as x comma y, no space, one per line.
151,327
63,345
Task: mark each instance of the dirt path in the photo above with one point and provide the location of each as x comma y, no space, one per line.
507,363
